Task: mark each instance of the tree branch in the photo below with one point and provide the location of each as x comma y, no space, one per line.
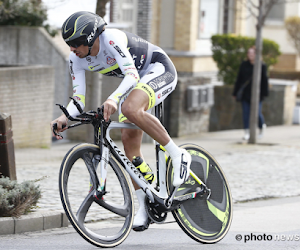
253,5
269,6
249,8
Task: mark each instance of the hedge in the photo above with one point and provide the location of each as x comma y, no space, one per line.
17,199
230,50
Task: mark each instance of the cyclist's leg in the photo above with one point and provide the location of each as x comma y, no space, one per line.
151,90
131,139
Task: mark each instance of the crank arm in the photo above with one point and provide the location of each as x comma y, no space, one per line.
193,195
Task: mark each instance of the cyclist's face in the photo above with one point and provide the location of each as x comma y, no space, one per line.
80,51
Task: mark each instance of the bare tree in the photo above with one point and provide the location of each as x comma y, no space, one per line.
100,8
259,9
292,24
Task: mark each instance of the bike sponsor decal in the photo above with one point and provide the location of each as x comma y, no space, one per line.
93,33
128,163
110,61
117,48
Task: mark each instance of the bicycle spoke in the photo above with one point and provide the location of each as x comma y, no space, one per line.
84,207
122,210
90,166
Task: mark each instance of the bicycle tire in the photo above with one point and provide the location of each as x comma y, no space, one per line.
79,202
204,220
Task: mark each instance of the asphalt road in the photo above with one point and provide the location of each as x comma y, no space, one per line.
265,224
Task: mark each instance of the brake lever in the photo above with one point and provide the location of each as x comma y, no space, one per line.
55,129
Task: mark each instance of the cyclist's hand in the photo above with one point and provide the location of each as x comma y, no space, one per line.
60,121
110,107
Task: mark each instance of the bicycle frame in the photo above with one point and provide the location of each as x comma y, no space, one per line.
131,169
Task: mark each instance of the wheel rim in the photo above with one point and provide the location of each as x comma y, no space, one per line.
82,207
205,220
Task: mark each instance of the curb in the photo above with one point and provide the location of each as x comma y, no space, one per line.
32,222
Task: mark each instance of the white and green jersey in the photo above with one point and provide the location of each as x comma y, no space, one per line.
121,54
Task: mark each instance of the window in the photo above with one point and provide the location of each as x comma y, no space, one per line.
209,18
276,14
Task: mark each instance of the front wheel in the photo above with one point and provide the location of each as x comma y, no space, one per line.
206,218
82,207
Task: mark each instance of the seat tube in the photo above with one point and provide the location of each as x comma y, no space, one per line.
159,112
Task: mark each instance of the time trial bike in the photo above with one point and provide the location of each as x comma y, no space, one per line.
94,187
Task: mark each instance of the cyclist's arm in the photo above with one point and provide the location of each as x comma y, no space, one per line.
79,86
119,50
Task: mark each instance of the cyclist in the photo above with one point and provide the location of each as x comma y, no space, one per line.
148,75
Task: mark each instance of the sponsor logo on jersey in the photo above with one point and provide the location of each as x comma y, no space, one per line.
141,61
138,39
88,59
132,74
162,80
153,85
110,61
127,64
94,67
166,91
77,98
129,69
71,67
91,36
126,93
73,77
117,48
111,42
159,96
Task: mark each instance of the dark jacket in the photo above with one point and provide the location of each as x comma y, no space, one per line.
245,73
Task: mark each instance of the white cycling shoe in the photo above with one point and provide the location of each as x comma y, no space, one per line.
141,221
181,165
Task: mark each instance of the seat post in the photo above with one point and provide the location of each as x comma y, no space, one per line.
159,112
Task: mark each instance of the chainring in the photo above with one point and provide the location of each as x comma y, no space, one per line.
154,212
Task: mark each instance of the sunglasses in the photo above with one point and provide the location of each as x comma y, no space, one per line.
77,42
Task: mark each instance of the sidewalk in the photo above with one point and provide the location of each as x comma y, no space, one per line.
267,169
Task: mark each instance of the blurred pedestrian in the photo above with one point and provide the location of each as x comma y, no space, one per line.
242,91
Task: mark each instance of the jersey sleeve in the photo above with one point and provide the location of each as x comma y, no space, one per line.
118,47
79,86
